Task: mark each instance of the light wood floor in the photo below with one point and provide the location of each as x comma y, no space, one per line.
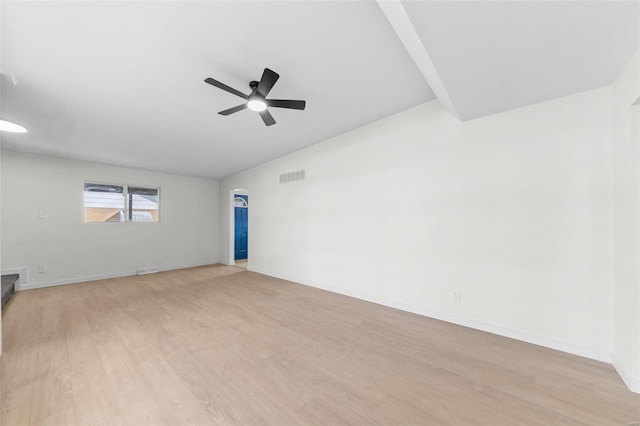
244,263
219,345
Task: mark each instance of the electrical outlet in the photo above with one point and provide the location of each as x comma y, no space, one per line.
42,269
457,296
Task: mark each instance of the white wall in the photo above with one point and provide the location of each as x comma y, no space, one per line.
187,234
0,238
513,210
626,168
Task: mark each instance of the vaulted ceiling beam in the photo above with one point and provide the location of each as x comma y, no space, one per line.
399,20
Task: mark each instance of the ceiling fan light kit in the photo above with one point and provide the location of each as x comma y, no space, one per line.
257,100
256,104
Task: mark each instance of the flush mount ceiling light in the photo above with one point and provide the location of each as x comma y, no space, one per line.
9,126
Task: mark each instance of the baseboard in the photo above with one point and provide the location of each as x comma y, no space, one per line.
65,281
524,336
632,384
75,280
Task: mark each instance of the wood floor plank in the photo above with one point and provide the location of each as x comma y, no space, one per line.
130,394
20,351
61,418
52,392
220,345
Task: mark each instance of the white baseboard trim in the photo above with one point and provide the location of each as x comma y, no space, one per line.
75,280
524,336
632,384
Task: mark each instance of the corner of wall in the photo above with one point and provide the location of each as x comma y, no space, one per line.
626,229
632,384
0,253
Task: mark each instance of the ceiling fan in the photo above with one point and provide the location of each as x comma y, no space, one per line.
257,100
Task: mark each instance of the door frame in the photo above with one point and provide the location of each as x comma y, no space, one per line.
241,227
232,242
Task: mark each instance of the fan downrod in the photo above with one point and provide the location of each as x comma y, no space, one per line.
253,84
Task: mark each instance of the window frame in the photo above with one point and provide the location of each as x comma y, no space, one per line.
125,194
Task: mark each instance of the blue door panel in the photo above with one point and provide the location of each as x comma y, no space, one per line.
241,227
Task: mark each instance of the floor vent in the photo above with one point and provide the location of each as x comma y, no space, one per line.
150,270
292,176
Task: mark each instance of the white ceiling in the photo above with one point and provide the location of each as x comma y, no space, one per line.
122,82
497,55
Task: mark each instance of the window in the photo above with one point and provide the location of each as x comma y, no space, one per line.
239,202
120,203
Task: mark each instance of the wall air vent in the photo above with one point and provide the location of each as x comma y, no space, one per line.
292,176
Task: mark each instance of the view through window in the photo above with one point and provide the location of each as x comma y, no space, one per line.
120,203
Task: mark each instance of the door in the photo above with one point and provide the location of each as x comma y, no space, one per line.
241,226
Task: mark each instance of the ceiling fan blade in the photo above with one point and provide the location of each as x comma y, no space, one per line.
267,81
285,103
267,118
232,110
225,88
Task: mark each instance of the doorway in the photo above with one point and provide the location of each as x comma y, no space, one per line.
240,228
